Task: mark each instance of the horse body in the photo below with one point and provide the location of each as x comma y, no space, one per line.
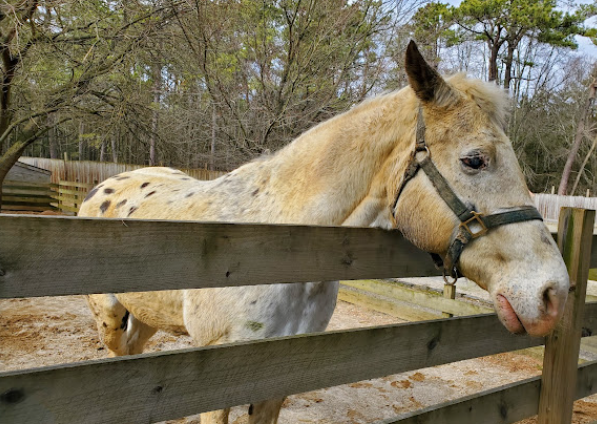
346,172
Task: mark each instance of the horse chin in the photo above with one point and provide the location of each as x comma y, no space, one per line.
507,315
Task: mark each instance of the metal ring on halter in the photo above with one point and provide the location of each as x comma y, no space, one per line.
447,281
423,149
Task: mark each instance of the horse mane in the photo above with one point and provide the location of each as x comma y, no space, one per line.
492,100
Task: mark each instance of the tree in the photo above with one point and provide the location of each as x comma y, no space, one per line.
505,23
57,60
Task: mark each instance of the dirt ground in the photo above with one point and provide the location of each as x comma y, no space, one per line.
46,331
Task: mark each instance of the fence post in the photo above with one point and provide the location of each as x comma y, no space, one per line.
560,363
449,293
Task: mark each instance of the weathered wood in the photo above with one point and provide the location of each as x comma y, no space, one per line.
26,199
79,193
449,293
593,262
575,233
502,405
427,299
52,256
166,385
76,184
387,306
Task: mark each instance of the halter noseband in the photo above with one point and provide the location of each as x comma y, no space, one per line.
472,223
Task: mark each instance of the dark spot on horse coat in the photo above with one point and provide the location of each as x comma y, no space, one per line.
91,194
150,194
121,203
108,190
125,321
132,209
189,194
255,192
104,325
185,178
104,206
144,185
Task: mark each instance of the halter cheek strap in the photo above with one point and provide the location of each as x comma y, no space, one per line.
472,223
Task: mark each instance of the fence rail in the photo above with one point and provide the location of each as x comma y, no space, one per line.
89,172
27,196
62,255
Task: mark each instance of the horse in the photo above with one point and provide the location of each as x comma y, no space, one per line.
469,207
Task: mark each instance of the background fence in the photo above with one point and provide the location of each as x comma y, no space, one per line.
53,256
28,196
88,172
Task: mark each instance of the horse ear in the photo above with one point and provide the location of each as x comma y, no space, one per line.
427,83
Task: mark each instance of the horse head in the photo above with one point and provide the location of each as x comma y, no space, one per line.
460,135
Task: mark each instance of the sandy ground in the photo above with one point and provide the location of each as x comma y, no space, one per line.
46,331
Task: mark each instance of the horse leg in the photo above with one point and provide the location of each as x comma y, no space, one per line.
265,412
121,332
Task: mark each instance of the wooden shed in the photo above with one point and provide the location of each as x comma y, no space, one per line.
24,173
27,188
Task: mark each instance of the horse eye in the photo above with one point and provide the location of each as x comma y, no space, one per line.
473,162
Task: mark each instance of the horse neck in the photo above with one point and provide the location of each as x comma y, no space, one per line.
328,171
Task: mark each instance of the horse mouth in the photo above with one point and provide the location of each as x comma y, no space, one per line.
508,316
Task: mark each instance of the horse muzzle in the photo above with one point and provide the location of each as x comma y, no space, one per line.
536,317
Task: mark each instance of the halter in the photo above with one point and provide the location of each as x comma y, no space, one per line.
473,224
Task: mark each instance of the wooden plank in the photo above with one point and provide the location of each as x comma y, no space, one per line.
575,232
80,193
167,385
8,208
53,256
502,405
76,184
26,199
32,192
387,306
27,185
450,294
426,299
593,262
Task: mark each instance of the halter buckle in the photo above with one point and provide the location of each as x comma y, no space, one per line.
476,218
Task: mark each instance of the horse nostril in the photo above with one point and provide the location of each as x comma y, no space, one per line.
551,302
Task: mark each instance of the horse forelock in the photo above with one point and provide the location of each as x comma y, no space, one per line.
490,98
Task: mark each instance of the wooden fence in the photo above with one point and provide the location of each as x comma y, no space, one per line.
70,195
88,172
53,256
27,196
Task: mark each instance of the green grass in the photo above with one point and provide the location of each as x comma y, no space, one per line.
593,274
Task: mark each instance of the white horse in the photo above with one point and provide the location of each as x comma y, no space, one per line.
357,169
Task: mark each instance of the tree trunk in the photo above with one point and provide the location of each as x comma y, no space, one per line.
102,151
157,85
81,141
509,60
114,152
582,166
212,153
52,139
580,130
493,58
